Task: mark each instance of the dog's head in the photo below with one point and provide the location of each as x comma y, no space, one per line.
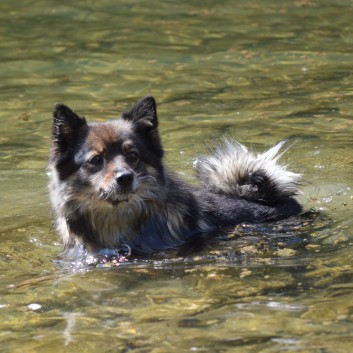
108,162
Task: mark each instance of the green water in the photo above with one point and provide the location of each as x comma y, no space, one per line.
261,70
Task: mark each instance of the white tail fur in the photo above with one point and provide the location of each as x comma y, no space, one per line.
233,170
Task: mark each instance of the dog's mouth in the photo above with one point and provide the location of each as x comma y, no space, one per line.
119,201
115,198
121,190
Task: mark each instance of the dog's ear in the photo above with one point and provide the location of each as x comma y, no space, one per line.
66,126
143,114
145,122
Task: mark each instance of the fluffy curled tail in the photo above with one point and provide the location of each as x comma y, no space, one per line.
233,170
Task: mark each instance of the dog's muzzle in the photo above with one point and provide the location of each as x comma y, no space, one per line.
122,187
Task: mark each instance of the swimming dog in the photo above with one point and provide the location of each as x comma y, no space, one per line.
109,186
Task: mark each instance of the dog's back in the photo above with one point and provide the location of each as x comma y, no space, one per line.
109,185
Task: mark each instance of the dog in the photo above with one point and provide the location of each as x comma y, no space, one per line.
109,186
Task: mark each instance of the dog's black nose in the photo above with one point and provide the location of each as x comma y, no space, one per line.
124,178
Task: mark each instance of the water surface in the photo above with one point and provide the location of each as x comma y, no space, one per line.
262,71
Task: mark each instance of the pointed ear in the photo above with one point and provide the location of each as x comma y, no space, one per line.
66,126
143,114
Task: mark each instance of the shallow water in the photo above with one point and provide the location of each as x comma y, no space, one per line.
260,70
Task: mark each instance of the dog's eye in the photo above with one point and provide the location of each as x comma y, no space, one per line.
132,156
96,160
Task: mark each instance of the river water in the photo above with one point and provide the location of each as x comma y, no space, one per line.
260,70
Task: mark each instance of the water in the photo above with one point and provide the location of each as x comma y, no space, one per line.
260,70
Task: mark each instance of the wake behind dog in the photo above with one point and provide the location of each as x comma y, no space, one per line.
109,186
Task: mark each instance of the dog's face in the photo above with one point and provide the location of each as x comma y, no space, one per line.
108,163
